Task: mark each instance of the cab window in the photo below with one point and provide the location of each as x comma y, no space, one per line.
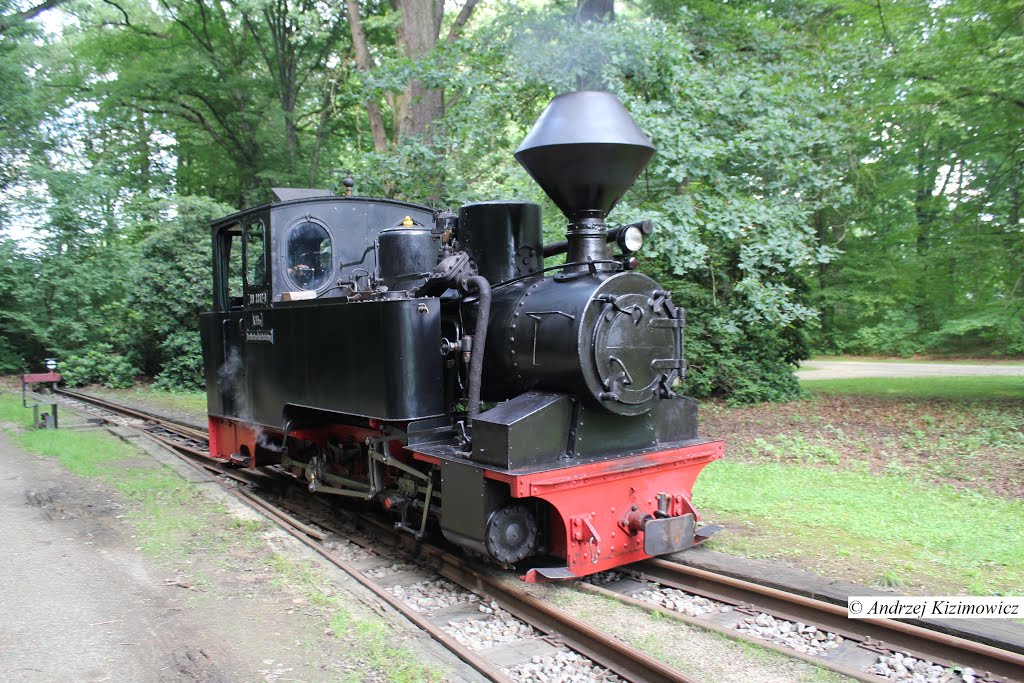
233,247
309,255
255,254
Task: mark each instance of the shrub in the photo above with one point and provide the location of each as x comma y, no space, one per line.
99,365
183,364
745,363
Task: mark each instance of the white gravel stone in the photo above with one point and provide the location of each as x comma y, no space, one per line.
429,596
681,601
381,572
497,628
900,666
797,636
346,550
563,666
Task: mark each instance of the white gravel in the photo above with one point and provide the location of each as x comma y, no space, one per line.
497,628
563,666
900,666
682,602
347,550
428,596
381,572
797,636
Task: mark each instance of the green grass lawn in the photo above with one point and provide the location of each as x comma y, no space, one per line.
973,388
929,360
175,522
911,484
169,511
889,526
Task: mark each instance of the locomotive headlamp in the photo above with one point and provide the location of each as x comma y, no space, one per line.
631,239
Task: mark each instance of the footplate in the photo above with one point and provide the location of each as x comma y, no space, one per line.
669,535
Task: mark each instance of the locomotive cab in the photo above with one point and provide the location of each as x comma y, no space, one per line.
355,341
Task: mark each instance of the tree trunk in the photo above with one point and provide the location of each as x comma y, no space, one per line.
364,64
321,133
587,11
595,10
419,106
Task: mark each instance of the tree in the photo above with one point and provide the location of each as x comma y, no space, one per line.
933,260
420,103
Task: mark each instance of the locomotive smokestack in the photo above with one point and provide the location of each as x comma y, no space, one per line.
585,151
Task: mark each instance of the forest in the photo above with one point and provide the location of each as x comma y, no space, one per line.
832,176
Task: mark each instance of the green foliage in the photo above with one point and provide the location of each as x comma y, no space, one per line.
170,284
99,365
835,174
745,363
896,334
182,362
934,244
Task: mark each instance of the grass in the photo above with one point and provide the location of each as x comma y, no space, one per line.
973,388
83,453
170,514
886,523
900,483
912,359
13,412
173,520
371,636
190,402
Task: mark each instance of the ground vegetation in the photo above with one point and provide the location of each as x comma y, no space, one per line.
831,175
878,481
234,570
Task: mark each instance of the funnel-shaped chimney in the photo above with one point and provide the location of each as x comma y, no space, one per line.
585,151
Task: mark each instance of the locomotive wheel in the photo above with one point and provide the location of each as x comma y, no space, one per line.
511,533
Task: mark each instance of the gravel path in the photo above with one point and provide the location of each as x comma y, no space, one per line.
82,604
848,369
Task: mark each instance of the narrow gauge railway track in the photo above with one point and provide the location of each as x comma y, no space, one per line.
779,619
557,635
731,606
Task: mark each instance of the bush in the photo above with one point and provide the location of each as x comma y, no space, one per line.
183,364
11,361
99,365
897,334
170,286
743,363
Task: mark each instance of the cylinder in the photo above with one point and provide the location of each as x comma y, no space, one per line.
407,255
503,238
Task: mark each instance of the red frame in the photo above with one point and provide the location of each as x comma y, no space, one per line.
588,503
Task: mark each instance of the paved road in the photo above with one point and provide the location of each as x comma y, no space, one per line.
836,369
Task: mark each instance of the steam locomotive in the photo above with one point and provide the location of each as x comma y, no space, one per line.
431,363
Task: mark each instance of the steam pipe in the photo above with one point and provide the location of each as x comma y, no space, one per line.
556,248
482,287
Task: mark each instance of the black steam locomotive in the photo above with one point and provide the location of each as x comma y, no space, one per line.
430,361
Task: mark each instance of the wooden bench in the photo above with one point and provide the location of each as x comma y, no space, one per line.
49,419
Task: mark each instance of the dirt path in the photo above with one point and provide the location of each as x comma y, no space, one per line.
81,603
834,369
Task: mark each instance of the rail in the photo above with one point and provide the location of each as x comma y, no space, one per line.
872,635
